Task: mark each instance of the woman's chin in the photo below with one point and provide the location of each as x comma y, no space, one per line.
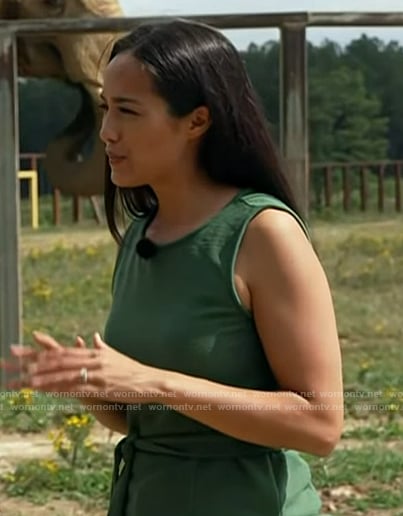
123,182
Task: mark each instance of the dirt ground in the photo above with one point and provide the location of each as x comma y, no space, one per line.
20,507
14,447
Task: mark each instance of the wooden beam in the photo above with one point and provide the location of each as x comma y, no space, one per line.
221,21
355,19
294,112
10,275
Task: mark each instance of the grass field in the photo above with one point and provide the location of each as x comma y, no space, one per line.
67,275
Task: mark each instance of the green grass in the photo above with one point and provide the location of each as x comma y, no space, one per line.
67,292
371,463
67,289
363,258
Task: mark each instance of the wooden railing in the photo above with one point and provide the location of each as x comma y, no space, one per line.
76,201
332,184
358,177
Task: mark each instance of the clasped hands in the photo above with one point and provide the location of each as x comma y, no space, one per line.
100,371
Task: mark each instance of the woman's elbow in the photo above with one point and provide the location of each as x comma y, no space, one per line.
326,445
327,435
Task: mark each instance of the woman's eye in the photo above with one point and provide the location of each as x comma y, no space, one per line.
128,111
104,107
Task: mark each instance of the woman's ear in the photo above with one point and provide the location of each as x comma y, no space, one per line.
199,122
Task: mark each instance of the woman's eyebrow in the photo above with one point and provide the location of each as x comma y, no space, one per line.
123,99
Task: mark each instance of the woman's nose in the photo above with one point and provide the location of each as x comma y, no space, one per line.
108,131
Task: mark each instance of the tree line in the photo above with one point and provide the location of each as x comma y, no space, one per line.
355,97
355,100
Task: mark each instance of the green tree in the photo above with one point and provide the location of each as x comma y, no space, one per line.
324,58
381,65
345,121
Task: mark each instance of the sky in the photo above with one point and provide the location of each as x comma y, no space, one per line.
241,38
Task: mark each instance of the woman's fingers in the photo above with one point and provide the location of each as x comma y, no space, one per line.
98,342
23,357
27,354
53,365
46,341
10,367
55,381
80,342
23,351
65,363
53,358
62,382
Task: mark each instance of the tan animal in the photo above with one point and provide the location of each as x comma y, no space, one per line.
76,58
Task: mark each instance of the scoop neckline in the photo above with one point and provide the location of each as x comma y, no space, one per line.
198,229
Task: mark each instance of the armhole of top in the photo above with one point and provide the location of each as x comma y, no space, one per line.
277,205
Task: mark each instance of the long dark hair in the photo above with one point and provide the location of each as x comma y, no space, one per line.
192,65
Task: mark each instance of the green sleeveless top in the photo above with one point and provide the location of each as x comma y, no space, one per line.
179,310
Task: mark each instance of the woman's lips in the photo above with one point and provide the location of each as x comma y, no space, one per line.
115,160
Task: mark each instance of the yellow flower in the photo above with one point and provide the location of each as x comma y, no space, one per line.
379,327
35,253
64,445
9,477
61,442
26,395
73,421
60,245
391,392
50,465
78,421
40,288
85,419
91,251
89,444
365,365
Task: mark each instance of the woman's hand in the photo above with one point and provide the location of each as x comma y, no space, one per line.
100,371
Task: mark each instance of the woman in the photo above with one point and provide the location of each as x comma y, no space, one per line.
221,338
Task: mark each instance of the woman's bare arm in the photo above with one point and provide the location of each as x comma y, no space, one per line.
292,309
113,417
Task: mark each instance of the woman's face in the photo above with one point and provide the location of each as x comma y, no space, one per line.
144,143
